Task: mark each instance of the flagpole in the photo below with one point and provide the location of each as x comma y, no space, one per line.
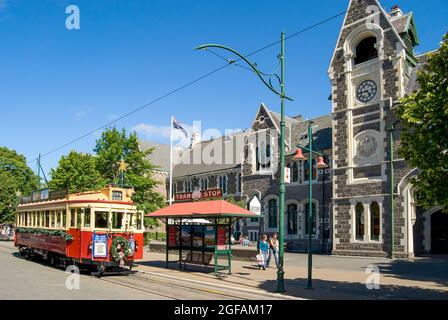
171,163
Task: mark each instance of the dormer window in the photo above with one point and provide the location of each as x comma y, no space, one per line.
366,50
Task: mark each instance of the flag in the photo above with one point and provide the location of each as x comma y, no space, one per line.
176,125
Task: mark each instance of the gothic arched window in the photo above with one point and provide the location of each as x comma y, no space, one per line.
314,224
272,214
292,219
359,221
375,221
366,50
295,172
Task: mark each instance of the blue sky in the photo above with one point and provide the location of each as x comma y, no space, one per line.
56,84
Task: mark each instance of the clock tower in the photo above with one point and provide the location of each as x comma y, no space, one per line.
369,73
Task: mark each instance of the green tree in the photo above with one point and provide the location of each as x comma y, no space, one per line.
115,145
16,179
424,140
76,172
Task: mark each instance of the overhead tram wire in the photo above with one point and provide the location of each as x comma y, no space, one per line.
136,110
229,62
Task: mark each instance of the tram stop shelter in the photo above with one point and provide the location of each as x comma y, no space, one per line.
200,232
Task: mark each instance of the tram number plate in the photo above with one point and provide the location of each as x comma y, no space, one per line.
99,246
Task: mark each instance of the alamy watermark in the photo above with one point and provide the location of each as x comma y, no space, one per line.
373,281
211,147
73,20
73,281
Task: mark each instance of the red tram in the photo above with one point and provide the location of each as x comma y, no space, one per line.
101,229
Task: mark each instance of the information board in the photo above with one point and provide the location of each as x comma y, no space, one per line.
99,245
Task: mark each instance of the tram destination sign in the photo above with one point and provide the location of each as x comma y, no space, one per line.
199,195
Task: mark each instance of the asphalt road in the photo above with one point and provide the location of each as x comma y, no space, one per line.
21,279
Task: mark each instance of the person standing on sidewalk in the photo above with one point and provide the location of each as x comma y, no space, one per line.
263,248
273,250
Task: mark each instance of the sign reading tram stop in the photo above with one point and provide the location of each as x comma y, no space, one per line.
199,195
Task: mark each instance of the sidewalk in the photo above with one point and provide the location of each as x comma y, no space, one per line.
333,277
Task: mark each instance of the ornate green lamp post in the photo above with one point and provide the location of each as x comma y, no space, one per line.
320,165
281,94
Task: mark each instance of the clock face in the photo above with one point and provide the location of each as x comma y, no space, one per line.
366,91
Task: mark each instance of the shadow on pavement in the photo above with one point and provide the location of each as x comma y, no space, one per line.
334,290
421,269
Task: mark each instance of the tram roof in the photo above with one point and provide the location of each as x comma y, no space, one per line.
210,209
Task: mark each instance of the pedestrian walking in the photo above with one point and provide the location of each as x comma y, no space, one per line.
263,248
273,250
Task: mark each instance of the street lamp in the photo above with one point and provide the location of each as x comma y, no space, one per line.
320,165
281,94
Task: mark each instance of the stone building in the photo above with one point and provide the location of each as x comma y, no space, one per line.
373,66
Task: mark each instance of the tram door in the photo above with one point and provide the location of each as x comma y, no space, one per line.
74,247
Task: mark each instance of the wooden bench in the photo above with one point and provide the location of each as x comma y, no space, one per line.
196,258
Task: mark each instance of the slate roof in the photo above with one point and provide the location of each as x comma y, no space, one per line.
323,133
186,167
160,157
401,23
413,85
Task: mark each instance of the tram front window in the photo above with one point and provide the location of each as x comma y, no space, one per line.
117,220
101,219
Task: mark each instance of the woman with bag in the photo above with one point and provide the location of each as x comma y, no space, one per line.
273,250
263,248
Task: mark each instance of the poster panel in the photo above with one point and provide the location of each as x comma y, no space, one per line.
223,238
198,236
210,236
186,236
173,236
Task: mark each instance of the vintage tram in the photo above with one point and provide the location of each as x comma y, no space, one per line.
99,229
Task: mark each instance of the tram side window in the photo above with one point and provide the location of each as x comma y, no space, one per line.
101,219
53,218
117,220
64,218
73,218
139,221
78,218
58,218
47,219
87,218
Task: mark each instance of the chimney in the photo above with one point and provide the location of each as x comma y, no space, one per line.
396,12
195,139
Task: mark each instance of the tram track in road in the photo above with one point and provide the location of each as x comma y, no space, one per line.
205,291
138,283
136,288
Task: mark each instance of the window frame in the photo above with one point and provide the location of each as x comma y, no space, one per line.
271,215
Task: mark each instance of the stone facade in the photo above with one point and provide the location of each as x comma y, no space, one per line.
360,186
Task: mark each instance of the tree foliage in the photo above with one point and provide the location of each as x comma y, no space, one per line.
76,172
16,178
115,145
424,140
